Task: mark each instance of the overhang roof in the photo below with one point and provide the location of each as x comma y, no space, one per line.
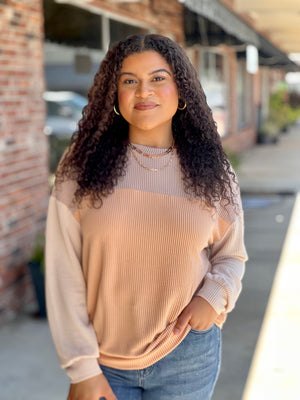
232,30
278,20
219,14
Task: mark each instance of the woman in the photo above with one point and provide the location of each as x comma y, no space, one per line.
145,250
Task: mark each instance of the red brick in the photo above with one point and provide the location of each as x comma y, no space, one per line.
23,147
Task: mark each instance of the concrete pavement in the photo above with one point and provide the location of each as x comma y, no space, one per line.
263,326
273,168
275,369
266,321
266,222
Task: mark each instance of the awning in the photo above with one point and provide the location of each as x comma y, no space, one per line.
210,23
271,56
216,12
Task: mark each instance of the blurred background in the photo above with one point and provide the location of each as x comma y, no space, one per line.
247,55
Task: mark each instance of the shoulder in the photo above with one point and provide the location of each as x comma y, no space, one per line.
64,192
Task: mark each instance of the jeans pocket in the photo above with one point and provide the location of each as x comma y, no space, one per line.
197,332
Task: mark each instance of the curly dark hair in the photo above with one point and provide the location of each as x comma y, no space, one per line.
97,156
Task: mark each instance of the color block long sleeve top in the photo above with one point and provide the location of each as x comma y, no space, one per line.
118,276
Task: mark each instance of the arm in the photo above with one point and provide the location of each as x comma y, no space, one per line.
72,331
222,284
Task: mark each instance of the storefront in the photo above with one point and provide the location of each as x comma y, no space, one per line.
237,95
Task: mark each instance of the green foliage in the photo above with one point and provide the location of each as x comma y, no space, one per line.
270,128
284,111
233,158
57,147
38,251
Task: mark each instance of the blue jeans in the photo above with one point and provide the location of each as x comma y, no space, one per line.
189,372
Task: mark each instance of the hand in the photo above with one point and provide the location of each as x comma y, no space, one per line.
198,313
91,389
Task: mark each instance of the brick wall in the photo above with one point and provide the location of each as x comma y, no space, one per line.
166,17
237,141
23,148
23,145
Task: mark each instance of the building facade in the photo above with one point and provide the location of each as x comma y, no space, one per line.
214,37
23,148
58,45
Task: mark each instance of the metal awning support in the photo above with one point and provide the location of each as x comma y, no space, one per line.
216,12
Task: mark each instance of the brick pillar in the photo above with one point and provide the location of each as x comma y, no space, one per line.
23,148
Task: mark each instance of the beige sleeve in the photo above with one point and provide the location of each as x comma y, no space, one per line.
222,284
73,334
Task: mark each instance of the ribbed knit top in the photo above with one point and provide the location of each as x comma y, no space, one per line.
118,276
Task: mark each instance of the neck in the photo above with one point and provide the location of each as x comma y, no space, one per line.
161,140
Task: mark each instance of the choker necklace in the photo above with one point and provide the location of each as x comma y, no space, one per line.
170,150
133,147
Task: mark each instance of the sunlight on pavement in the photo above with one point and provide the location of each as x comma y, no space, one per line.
275,368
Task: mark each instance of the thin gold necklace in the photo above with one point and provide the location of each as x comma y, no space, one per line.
152,169
133,147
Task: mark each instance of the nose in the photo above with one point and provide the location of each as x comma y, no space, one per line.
144,90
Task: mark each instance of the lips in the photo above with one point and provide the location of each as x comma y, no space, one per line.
145,106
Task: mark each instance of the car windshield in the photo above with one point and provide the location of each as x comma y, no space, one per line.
65,106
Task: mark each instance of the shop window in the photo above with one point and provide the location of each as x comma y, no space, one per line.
119,30
72,26
76,40
215,83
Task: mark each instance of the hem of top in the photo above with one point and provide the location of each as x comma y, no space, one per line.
145,361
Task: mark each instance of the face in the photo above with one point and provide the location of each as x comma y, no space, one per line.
147,93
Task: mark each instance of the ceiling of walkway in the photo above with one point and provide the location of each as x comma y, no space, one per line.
277,20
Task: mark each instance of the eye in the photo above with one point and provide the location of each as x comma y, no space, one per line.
129,81
158,78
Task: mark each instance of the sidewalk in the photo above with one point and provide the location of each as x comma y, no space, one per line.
273,168
275,369
29,367
263,325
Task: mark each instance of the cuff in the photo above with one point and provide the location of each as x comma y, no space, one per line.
215,294
83,369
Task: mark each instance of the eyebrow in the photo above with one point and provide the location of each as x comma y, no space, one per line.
151,73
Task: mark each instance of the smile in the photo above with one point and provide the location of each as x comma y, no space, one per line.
145,106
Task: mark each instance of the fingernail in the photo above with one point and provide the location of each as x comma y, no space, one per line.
176,331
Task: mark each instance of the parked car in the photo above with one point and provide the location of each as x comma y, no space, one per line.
64,110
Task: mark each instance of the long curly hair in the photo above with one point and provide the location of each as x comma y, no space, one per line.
97,157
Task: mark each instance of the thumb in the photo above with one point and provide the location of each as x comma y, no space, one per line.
112,396
182,322
109,396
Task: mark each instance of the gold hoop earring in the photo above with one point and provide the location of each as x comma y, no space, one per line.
182,108
116,112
